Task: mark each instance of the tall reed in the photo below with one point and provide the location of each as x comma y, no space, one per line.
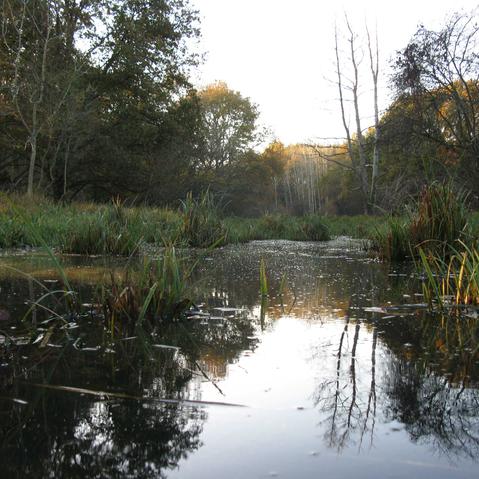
157,292
263,279
451,282
202,225
437,222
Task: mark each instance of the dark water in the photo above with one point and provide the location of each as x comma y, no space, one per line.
343,375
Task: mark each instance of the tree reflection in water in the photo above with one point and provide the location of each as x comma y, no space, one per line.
64,434
424,385
349,410
419,373
434,410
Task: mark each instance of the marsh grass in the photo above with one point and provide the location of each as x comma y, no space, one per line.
360,226
263,279
157,293
115,229
202,225
84,228
441,219
452,282
278,227
391,240
126,302
436,223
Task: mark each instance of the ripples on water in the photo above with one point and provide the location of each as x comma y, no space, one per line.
343,375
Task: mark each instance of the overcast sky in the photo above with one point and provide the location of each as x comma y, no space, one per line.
280,54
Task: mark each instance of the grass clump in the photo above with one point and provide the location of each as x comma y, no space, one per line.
263,279
85,228
452,282
107,232
361,226
158,292
314,228
391,241
438,222
202,226
441,219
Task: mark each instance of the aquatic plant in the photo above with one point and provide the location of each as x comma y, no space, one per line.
360,226
202,225
277,226
314,228
158,292
441,218
391,241
87,228
437,222
451,282
263,279
101,236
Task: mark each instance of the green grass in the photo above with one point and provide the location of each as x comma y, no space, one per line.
114,229
391,240
360,226
438,222
452,282
157,292
202,225
263,279
84,228
269,227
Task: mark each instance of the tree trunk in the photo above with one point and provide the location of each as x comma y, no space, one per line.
33,158
374,64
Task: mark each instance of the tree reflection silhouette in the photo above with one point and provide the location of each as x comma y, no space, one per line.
62,434
424,386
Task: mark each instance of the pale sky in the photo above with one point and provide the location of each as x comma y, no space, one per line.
280,54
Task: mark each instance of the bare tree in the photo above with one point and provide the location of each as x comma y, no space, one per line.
355,150
374,66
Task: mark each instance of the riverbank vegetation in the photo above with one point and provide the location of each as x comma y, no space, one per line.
106,147
115,229
96,103
437,222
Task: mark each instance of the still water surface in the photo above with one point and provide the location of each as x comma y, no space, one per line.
341,375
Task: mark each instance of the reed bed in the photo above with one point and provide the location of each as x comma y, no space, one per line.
154,294
115,229
437,222
452,282
202,224
277,226
157,293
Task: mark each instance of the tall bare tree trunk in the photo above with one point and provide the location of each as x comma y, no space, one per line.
374,64
33,157
36,102
357,166
341,99
363,174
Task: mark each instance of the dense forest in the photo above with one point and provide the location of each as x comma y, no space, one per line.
96,101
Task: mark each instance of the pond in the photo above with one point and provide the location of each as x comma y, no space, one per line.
340,373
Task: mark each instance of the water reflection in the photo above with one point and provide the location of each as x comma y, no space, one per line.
365,360
350,409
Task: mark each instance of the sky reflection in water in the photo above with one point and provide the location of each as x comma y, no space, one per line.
338,381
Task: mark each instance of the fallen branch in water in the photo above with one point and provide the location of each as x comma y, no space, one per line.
106,394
